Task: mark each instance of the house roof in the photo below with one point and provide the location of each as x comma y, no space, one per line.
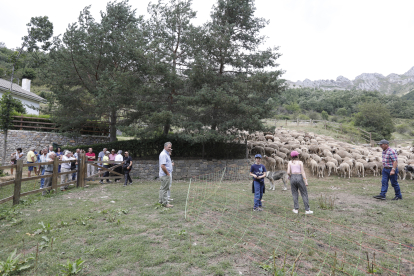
19,91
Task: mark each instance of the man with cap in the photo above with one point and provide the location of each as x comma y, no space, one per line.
390,171
258,171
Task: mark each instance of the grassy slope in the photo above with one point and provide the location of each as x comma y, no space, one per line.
222,235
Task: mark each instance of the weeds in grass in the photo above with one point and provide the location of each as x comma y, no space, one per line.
370,265
72,268
326,203
45,228
14,264
82,220
9,214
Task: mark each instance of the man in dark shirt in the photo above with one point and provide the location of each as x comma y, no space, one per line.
127,168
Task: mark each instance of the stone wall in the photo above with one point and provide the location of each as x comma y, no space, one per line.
185,169
26,139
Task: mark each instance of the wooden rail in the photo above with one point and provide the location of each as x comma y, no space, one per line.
45,124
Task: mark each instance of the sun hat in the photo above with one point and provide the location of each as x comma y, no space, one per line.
258,156
294,153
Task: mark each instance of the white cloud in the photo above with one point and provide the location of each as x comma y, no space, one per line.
319,39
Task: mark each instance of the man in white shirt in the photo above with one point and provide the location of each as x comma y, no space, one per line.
119,157
66,168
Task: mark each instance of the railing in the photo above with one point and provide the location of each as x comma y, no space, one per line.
46,125
80,181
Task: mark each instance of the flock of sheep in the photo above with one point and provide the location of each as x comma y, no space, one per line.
323,154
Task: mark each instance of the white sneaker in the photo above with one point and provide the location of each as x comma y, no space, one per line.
284,189
308,212
170,199
295,211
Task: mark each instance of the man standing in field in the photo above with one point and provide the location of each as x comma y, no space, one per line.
66,168
91,157
31,158
390,171
164,174
258,171
48,171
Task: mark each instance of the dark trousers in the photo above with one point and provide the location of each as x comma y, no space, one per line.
258,194
127,177
106,174
118,170
385,178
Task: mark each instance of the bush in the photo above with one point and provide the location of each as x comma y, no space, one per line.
334,119
412,133
282,117
314,115
303,117
182,148
325,115
402,129
341,111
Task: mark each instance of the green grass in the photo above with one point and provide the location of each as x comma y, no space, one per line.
221,236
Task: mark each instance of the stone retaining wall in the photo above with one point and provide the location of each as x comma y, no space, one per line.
184,169
26,139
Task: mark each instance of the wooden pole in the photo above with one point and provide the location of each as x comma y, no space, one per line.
370,139
18,181
286,122
297,121
341,128
82,170
55,174
247,150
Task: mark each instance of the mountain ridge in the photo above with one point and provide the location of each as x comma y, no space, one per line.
392,84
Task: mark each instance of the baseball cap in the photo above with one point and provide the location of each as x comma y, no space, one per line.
258,156
294,153
383,141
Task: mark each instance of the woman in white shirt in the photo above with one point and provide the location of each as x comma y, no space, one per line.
118,157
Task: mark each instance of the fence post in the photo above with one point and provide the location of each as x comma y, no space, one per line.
275,123
54,174
326,122
247,150
311,122
286,122
81,170
297,121
341,127
370,139
18,181
21,122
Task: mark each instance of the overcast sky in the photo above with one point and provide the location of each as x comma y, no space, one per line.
319,39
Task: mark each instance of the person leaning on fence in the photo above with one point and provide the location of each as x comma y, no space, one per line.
74,165
66,168
389,172
14,157
49,171
118,169
31,159
127,168
165,174
298,181
106,166
42,159
91,157
258,171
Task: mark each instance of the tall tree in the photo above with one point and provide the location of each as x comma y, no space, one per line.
231,79
170,26
98,69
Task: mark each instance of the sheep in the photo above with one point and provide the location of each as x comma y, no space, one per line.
321,168
331,166
332,160
269,150
344,154
316,157
343,168
304,157
402,171
281,155
269,163
314,166
284,150
360,169
258,149
279,161
338,158
327,153
372,166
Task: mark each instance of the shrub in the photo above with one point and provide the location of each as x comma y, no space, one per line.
282,117
303,117
314,115
325,115
334,119
341,111
402,129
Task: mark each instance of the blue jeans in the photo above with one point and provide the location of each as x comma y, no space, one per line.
42,180
385,178
258,194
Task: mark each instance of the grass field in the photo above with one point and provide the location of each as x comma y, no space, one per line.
122,231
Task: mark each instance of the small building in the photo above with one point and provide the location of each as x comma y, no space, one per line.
30,100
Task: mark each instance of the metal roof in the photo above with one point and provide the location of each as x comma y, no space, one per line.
19,91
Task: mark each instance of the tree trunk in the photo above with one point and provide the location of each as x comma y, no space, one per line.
112,130
167,127
5,147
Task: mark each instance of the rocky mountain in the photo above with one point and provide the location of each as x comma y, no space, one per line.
391,84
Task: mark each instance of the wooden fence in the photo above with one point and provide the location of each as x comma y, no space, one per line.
46,125
80,171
